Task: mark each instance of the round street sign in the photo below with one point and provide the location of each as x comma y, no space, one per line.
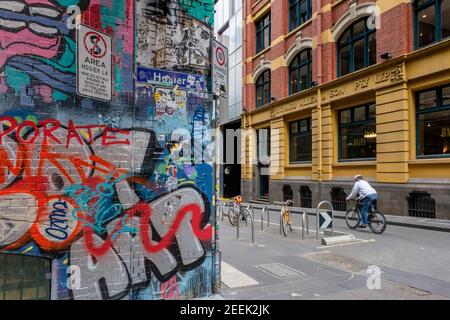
95,45
220,56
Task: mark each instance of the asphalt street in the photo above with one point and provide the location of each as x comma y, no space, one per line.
413,263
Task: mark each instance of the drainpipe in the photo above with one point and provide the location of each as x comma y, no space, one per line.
319,93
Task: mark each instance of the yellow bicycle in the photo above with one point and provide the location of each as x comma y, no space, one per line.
285,216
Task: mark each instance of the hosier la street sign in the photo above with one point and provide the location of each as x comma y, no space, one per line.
94,72
164,78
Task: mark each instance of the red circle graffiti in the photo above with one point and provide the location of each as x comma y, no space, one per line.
26,237
44,213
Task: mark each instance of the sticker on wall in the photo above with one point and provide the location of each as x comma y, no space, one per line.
94,71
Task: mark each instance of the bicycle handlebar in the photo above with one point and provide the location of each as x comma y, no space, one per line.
285,203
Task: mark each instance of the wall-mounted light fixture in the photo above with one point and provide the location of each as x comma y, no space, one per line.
386,56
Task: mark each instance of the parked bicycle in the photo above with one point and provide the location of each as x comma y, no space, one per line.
377,220
236,209
285,216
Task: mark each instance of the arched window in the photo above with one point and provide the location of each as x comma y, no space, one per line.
288,194
431,21
338,199
263,89
357,48
305,197
300,72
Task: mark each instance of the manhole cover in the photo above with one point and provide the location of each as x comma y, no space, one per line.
280,270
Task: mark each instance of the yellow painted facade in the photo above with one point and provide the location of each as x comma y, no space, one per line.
392,86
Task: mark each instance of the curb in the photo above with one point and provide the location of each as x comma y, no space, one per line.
340,215
328,241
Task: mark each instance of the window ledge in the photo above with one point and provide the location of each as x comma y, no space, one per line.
298,165
335,3
430,160
297,29
260,53
355,163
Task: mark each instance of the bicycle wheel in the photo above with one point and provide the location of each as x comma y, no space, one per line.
290,221
352,219
232,216
246,216
377,223
283,223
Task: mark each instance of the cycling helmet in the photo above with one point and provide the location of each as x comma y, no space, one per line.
357,177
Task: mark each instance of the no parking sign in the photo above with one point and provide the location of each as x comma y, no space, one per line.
94,71
220,69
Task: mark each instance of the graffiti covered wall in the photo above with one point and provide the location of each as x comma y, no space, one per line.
107,190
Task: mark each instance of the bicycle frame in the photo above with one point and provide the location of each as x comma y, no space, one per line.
358,205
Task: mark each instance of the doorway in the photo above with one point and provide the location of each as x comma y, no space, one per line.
232,169
24,277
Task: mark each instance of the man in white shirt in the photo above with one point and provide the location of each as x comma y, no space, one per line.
367,195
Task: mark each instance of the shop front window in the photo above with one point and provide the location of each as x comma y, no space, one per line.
357,133
433,122
300,141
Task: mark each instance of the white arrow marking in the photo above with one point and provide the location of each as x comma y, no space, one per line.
327,220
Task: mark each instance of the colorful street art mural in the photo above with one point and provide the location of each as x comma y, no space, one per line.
117,194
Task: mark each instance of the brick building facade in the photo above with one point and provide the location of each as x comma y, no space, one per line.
348,87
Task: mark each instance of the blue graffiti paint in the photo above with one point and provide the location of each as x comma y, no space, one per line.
58,221
96,207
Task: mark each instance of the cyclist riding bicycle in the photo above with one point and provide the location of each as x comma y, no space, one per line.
367,195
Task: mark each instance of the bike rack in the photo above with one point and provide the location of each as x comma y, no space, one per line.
281,220
305,221
238,220
253,225
317,217
262,218
222,206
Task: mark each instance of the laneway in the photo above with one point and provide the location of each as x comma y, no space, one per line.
414,264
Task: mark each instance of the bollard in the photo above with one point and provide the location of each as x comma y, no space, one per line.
238,218
281,219
317,223
222,208
303,225
332,224
262,218
307,223
253,228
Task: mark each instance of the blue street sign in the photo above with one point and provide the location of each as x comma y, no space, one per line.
164,78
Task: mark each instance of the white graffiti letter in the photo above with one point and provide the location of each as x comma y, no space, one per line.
374,280
74,19
74,278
